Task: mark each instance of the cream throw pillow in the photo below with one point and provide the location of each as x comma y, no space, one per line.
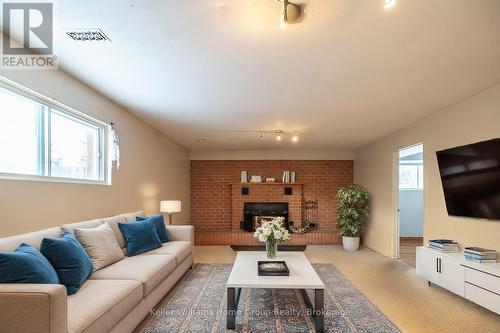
100,244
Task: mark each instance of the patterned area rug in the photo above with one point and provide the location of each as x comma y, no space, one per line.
197,304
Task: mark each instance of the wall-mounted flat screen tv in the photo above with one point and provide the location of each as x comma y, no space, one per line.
471,179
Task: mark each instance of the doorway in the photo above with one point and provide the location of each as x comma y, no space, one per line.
410,202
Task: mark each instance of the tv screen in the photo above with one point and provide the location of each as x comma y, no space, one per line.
471,179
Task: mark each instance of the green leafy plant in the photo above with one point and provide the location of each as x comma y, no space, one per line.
352,209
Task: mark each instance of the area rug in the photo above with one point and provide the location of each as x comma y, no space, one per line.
198,302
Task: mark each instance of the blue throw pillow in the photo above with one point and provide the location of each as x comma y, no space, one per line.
71,262
161,230
26,265
140,236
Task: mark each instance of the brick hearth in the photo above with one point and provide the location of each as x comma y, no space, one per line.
246,238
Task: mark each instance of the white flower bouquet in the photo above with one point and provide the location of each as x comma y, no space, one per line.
272,232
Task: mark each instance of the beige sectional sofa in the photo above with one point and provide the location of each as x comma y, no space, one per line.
115,298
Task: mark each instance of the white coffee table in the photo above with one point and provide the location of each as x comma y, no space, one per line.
302,276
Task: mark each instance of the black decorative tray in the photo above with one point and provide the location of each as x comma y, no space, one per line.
273,268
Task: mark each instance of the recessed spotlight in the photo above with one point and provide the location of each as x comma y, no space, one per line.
389,3
202,140
279,137
295,138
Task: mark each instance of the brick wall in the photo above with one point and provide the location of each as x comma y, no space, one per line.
211,198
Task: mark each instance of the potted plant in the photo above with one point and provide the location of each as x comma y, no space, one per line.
272,232
352,208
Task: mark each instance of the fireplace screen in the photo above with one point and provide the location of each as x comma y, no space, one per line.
255,213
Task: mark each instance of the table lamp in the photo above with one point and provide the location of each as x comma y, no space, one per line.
169,207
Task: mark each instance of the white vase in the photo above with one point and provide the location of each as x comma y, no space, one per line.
350,243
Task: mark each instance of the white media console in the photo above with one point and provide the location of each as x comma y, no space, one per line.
479,283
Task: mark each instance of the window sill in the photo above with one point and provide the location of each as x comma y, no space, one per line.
36,178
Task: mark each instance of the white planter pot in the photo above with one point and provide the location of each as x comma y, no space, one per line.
350,243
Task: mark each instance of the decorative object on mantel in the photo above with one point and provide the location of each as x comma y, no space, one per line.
286,176
256,179
270,180
244,176
272,232
169,207
115,149
352,208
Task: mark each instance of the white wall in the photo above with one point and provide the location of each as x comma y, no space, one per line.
152,167
474,119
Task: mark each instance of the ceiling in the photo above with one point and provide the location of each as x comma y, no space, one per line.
349,73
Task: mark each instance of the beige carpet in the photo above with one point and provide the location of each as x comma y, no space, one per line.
393,287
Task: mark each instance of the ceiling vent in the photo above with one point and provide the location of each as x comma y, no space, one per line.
88,35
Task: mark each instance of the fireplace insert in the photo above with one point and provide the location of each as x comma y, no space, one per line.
255,213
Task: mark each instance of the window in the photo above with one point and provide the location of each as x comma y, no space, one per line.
411,176
42,140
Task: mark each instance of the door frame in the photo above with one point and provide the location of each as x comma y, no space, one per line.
395,157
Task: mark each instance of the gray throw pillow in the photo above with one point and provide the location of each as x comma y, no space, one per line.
101,245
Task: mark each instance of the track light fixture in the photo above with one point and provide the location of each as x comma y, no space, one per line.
280,135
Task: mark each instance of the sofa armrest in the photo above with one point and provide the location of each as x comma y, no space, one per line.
33,308
181,232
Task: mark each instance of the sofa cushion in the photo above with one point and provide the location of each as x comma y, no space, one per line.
33,239
69,259
100,305
140,236
101,245
122,218
179,249
70,227
113,223
26,265
159,224
131,217
149,270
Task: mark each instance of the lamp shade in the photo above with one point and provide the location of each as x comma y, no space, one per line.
170,206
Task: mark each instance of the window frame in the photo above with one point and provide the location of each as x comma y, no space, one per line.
45,109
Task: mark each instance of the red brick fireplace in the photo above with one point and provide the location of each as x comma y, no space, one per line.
217,200
265,192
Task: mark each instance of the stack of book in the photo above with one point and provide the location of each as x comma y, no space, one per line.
478,254
443,245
